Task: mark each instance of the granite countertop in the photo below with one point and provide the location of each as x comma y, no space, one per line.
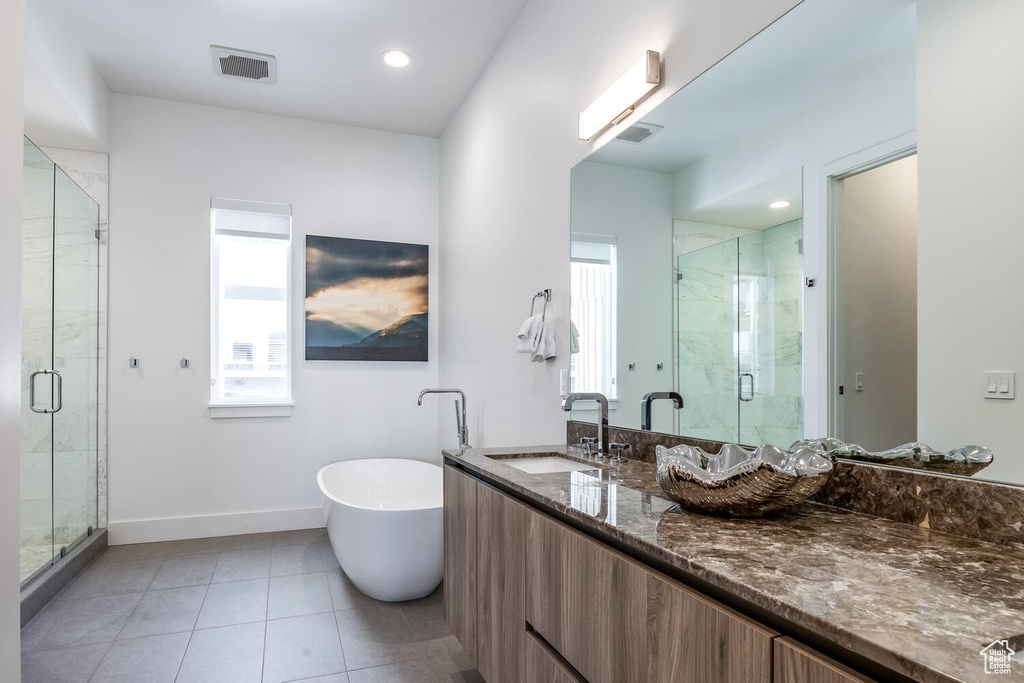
920,602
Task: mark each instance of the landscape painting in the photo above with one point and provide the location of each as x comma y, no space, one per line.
365,300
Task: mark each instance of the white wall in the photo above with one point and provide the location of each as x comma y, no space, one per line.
12,47
505,161
970,316
634,207
876,279
167,459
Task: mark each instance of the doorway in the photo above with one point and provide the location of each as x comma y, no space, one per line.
875,305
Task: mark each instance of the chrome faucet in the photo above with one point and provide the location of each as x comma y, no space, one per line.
602,402
648,399
460,414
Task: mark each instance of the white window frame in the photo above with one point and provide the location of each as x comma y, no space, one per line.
240,407
611,390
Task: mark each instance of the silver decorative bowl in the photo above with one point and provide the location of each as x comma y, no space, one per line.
965,461
736,482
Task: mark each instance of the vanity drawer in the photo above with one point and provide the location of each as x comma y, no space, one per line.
795,663
615,620
544,666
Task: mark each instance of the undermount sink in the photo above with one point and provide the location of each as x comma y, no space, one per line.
547,465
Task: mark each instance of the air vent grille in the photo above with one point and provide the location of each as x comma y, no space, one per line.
240,64
244,67
639,132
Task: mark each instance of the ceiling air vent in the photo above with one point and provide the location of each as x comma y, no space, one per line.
639,132
244,65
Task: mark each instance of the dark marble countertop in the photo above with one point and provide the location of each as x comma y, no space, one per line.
920,602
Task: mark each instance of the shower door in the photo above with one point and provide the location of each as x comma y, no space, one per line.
60,281
739,337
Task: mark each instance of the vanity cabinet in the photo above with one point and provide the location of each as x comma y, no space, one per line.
795,663
532,599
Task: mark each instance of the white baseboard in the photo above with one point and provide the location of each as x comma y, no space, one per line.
207,526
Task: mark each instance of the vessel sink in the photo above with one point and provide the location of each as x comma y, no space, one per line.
547,465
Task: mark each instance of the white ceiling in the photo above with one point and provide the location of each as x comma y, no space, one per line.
328,53
749,208
768,79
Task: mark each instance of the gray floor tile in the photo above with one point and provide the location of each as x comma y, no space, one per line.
165,611
220,544
237,602
239,565
293,596
67,623
138,551
426,619
190,570
302,647
344,594
67,665
333,678
154,660
229,654
299,537
443,669
330,559
376,634
296,559
112,578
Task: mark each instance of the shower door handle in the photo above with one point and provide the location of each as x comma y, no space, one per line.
751,376
32,392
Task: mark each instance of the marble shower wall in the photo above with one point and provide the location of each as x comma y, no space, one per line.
739,309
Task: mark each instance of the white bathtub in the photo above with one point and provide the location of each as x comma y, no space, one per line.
385,524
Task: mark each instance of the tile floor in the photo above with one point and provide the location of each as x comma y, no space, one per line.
264,608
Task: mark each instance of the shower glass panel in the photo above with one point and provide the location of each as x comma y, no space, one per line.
705,337
60,282
75,356
740,322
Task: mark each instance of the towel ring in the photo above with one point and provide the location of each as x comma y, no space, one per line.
547,297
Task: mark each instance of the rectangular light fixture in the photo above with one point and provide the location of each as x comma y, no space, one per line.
617,102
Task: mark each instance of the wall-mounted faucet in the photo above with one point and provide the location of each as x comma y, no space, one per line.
460,414
602,402
648,399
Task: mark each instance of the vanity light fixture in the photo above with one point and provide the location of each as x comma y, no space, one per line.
618,101
780,204
397,58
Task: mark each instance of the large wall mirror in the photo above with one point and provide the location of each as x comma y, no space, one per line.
760,242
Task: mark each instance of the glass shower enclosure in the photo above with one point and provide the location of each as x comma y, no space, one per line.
739,335
60,360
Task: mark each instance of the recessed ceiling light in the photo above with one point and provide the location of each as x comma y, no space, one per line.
397,58
781,204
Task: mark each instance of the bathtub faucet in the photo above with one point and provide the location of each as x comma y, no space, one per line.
460,414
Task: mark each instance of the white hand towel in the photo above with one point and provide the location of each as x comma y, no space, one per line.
574,338
546,346
528,338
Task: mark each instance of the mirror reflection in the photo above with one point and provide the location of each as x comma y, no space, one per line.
752,242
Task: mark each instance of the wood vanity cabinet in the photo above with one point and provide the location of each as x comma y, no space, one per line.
795,663
533,600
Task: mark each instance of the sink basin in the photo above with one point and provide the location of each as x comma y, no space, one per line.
547,465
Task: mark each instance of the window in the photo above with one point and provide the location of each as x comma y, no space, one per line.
251,296
593,312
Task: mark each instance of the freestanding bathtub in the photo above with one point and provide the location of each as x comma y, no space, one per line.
384,519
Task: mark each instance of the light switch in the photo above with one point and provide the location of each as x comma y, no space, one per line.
999,385
859,381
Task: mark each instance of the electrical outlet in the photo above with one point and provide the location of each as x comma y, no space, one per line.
563,382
